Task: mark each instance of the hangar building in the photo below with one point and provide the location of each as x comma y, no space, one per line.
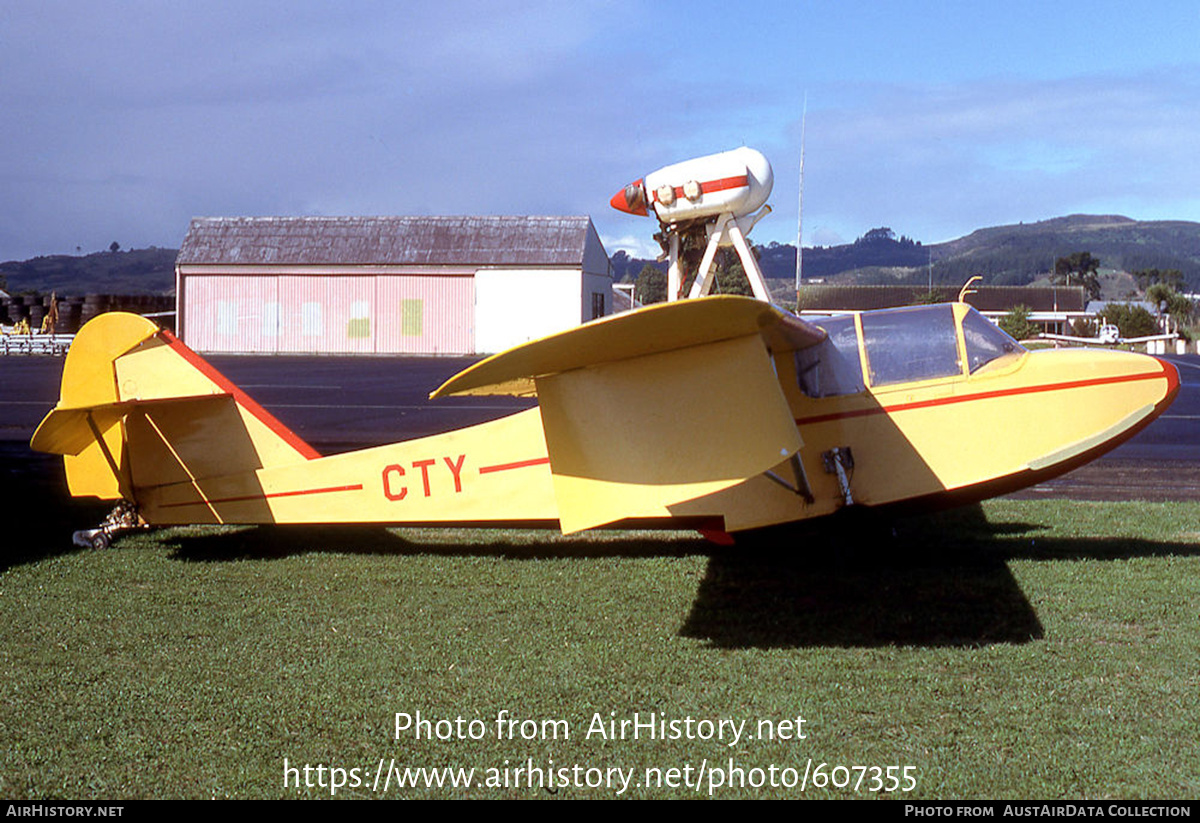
386,285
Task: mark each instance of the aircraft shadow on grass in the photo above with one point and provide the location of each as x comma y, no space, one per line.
215,544
939,580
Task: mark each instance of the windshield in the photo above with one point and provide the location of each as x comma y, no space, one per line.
904,345
986,342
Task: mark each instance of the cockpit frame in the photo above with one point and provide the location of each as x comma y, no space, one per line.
890,349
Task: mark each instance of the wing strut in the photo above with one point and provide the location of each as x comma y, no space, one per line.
800,486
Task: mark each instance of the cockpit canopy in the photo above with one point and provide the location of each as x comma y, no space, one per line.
902,346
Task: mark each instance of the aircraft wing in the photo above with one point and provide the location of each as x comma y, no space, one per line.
648,409
1148,338
1098,341
651,330
1066,338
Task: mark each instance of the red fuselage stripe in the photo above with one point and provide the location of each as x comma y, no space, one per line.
710,186
520,464
244,400
946,401
355,488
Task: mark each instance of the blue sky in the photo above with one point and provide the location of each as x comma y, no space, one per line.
122,120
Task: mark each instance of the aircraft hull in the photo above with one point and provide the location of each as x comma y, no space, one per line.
938,444
697,418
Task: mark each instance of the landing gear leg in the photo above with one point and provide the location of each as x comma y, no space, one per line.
840,461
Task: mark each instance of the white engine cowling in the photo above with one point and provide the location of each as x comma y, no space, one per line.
737,181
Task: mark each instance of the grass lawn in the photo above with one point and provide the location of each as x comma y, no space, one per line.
1014,650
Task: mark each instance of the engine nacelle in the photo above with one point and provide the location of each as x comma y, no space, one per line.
737,181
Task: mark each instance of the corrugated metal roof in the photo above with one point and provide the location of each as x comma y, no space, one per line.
439,240
1097,306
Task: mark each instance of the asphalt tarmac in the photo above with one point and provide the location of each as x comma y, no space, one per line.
343,403
1161,463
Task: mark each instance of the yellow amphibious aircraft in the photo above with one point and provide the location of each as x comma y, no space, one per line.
719,413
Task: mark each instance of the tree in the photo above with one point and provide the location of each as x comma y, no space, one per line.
1083,268
730,274
1149,277
651,286
927,298
1171,302
115,247
1132,321
880,235
1083,327
1017,323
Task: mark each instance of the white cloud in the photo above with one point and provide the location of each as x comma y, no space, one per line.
938,162
126,120
642,247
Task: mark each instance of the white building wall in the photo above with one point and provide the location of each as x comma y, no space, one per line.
514,306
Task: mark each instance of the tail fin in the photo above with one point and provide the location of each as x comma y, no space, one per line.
140,409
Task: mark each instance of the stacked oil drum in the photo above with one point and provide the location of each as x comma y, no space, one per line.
73,312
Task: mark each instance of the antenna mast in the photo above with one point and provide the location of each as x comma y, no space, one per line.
800,207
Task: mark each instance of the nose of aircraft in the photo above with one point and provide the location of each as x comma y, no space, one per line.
1092,400
631,199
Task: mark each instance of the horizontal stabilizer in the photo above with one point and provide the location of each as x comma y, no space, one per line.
651,330
70,431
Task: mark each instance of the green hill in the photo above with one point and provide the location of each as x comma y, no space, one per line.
1005,255
1015,255
137,271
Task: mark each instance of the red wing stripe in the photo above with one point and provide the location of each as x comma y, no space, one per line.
244,400
946,401
520,464
272,495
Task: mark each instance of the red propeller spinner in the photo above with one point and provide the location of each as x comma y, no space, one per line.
631,199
